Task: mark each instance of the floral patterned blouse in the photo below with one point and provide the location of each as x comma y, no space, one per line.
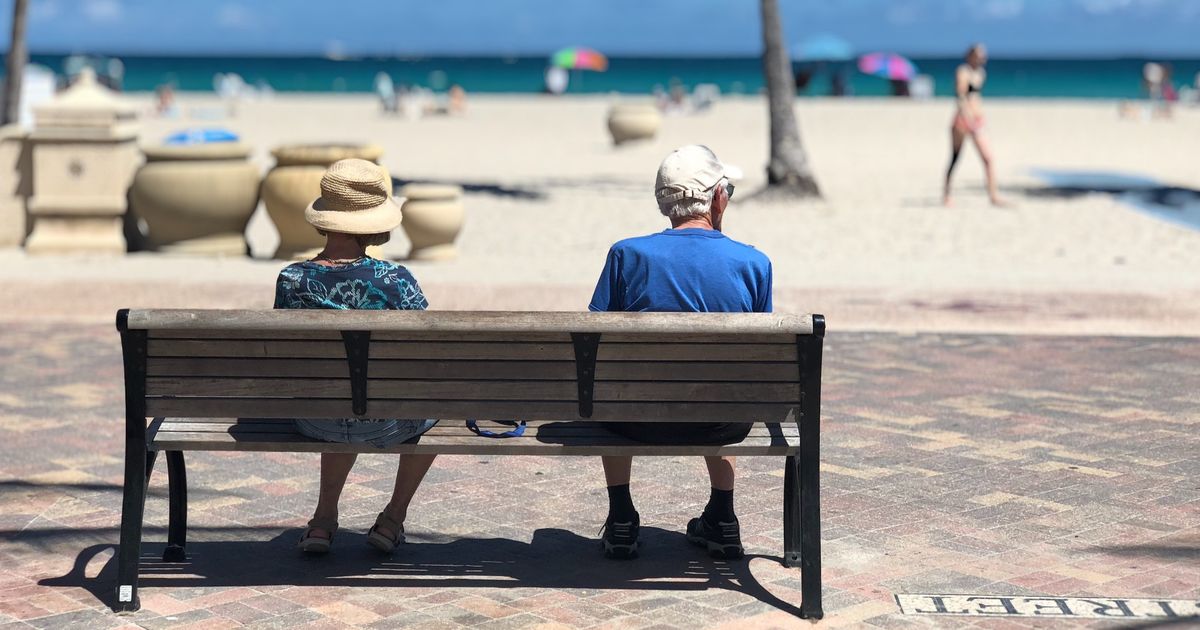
363,284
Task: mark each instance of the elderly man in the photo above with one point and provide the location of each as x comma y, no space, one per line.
691,267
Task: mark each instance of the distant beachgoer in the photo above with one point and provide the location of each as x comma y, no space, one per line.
458,99
355,211
1152,80
803,76
166,106
386,91
968,120
839,83
557,80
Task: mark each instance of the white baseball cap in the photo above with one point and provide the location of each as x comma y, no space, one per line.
691,172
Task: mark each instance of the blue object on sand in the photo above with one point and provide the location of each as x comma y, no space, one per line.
204,135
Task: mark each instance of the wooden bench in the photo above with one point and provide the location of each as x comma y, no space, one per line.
227,380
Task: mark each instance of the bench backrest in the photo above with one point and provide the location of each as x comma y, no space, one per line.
742,367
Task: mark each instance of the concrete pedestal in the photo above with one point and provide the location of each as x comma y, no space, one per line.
84,157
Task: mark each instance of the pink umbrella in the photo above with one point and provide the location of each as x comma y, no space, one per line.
887,66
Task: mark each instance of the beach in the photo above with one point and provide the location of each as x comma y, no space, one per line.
547,194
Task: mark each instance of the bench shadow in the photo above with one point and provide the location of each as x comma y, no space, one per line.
102,488
551,560
1167,550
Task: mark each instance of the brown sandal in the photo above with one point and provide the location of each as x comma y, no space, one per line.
382,542
315,544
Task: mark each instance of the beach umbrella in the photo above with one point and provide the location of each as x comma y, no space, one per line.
823,47
887,66
579,59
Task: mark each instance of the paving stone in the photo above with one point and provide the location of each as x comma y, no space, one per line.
990,464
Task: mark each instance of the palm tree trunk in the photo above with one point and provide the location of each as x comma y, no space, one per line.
15,65
788,169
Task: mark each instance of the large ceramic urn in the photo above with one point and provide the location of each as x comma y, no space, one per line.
295,182
196,199
630,121
433,217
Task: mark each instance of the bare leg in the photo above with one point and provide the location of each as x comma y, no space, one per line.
721,471
409,473
335,468
617,469
957,138
985,154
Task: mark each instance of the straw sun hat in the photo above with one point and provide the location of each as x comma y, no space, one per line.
356,198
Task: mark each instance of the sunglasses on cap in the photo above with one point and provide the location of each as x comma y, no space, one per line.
728,187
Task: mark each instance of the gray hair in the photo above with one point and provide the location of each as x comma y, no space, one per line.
686,208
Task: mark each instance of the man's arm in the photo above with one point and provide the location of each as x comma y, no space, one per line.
607,296
763,301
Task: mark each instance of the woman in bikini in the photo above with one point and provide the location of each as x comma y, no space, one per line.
968,119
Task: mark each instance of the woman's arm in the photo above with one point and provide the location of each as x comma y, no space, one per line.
962,84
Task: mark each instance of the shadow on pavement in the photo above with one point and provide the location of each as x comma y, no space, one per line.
1159,549
113,488
495,190
555,559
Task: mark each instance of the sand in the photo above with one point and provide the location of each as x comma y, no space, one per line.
877,252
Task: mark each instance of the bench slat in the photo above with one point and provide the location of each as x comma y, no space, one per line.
472,350
539,439
449,428
475,336
455,321
482,409
565,391
783,372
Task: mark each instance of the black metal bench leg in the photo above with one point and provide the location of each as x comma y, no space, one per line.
139,461
810,537
791,514
138,466
177,526
807,470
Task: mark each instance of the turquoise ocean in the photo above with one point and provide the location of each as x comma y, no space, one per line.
1038,78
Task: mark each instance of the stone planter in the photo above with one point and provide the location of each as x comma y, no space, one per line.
628,122
433,217
295,182
84,151
196,199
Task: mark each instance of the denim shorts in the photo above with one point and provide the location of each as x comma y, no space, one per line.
378,433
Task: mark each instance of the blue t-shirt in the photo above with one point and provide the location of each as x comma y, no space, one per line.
687,270
363,284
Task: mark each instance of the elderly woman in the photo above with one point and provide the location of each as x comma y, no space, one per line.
354,212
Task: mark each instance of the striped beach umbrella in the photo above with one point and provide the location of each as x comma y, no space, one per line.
577,58
887,66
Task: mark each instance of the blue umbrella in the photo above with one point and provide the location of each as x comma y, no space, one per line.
823,47
203,135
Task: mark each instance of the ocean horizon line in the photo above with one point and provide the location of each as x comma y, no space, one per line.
417,56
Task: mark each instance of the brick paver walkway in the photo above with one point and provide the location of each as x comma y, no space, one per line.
987,465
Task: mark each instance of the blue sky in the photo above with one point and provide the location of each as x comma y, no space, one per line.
686,27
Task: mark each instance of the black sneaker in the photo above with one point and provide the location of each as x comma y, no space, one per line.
620,539
723,540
